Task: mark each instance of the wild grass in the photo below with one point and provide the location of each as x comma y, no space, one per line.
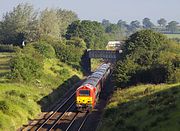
143,108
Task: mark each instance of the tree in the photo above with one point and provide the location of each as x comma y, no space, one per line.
65,18
124,27
162,22
48,23
115,32
140,61
147,24
19,25
134,26
172,26
91,32
105,23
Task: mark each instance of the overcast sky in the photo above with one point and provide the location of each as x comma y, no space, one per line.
112,10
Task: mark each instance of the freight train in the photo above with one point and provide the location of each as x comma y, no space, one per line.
87,94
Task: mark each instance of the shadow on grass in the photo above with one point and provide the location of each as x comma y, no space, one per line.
58,93
154,111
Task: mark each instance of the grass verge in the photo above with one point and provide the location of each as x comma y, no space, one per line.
143,108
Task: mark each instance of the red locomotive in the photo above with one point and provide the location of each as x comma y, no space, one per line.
88,93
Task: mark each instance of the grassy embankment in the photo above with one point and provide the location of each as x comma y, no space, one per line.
19,101
143,108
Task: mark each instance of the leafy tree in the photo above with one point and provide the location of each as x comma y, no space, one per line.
48,23
69,54
77,42
124,26
134,26
147,24
162,22
91,32
172,26
146,59
105,23
65,18
19,25
115,32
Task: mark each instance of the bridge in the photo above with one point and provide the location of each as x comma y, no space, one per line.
108,55
105,54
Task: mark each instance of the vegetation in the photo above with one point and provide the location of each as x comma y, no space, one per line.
143,108
148,57
35,75
42,59
91,32
4,63
23,23
20,102
173,35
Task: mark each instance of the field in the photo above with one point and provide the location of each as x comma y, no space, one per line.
173,35
20,102
143,108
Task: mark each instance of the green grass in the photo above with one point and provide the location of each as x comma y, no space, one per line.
173,35
20,102
143,108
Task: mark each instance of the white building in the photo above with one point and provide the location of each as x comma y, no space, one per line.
114,45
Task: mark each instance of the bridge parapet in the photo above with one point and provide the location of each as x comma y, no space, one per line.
105,54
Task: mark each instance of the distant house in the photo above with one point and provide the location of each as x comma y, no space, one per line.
114,45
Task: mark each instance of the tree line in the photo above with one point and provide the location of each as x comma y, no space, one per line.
24,23
50,33
128,29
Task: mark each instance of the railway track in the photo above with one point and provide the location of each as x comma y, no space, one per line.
64,118
57,107
71,121
57,114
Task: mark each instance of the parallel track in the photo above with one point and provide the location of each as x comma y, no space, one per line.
74,122
58,112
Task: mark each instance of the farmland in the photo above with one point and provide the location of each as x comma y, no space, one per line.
173,35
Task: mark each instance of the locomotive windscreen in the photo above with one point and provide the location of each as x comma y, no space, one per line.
84,92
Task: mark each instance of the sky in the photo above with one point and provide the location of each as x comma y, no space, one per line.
112,10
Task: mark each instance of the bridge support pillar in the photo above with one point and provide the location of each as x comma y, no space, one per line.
86,63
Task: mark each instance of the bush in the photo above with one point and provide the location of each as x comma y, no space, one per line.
68,53
27,65
45,49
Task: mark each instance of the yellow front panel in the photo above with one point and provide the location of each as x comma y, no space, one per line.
84,100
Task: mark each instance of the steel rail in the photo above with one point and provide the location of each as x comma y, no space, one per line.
60,117
82,124
55,112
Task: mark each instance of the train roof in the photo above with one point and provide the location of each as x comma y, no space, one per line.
95,77
92,81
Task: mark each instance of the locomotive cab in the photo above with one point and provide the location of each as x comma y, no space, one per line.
84,98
